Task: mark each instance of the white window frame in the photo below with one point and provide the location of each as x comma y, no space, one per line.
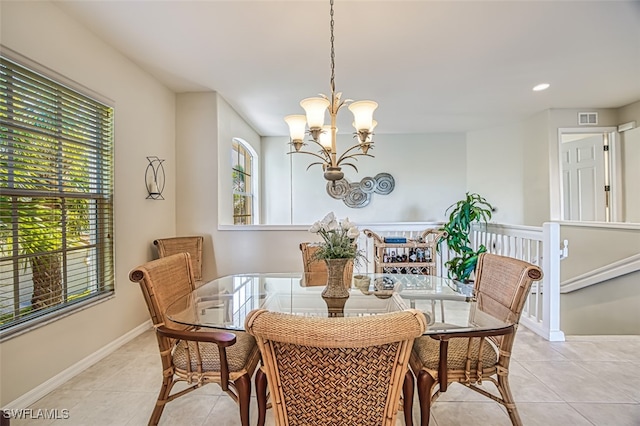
79,289
255,184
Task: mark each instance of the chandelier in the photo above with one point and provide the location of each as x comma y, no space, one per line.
325,135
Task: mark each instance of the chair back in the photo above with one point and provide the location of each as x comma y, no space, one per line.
503,284
315,271
346,371
163,281
192,245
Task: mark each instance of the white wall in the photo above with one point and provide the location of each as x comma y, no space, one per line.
200,157
567,118
516,167
495,170
205,128
535,170
275,165
631,175
230,126
197,170
611,308
144,125
595,245
429,172
630,144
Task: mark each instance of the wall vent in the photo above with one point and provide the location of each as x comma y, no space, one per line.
587,118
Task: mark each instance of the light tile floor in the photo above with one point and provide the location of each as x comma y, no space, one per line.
583,381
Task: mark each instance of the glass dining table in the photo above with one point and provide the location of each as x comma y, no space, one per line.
225,302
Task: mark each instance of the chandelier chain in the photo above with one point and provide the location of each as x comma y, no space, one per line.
363,122
333,54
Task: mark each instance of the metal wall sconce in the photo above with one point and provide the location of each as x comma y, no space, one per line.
154,178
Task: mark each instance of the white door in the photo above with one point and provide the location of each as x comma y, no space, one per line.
583,178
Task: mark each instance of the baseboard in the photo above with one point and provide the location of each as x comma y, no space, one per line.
549,335
56,381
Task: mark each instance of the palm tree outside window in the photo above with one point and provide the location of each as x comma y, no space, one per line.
56,198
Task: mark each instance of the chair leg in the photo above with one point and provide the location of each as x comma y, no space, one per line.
505,391
261,396
163,397
426,382
243,386
407,392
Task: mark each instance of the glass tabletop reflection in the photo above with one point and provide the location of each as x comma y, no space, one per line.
225,302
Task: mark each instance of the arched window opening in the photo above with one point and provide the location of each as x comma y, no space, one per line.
243,165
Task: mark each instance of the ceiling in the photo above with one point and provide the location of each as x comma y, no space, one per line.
433,66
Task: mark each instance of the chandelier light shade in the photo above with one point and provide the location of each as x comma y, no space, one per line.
297,128
324,136
315,109
363,114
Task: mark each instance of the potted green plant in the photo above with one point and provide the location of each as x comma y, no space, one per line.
462,214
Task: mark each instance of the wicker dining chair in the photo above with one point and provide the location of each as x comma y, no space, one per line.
315,271
196,357
335,371
192,245
501,287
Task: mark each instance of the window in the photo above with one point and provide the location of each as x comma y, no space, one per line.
244,182
56,198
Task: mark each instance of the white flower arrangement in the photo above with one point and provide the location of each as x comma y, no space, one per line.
339,238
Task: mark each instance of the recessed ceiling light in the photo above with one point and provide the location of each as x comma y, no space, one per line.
540,87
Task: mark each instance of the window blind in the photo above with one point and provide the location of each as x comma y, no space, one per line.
56,198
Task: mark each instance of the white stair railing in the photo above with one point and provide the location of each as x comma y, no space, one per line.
538,245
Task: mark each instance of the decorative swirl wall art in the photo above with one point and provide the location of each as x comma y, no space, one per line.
358,194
